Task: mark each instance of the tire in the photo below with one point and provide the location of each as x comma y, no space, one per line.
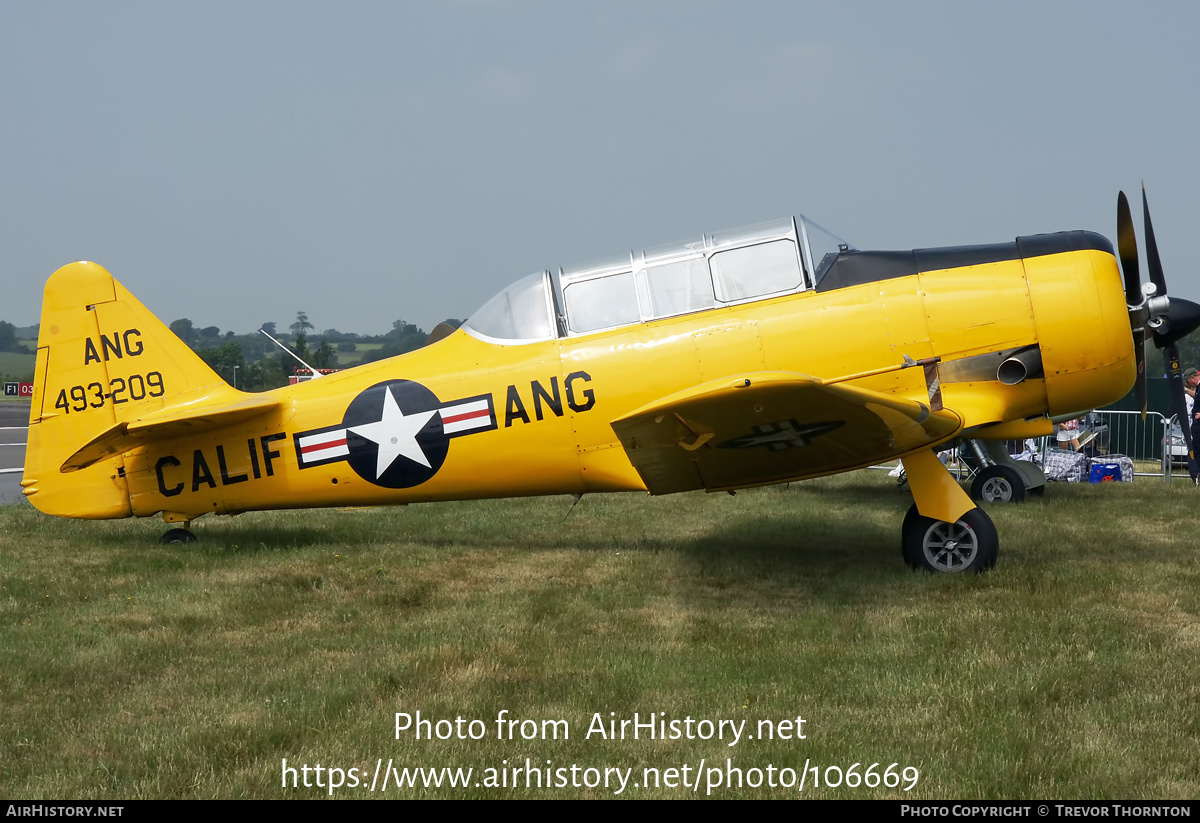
175,537
998,484
968,545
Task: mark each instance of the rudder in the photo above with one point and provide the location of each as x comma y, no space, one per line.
103,359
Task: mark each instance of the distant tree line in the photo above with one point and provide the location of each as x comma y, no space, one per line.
257,364
10,339
252,360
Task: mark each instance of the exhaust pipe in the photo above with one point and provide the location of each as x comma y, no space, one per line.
1024,364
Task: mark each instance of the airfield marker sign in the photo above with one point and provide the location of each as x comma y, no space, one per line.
14,389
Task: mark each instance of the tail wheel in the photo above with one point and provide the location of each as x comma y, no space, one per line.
177,536
967,545
999,484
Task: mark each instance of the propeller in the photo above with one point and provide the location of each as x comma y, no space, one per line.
1127,250
1152,313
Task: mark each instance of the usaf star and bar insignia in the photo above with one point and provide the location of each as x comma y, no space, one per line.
395,434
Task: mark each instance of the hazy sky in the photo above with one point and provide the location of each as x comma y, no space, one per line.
236,162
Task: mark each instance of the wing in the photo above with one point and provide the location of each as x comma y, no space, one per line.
771,427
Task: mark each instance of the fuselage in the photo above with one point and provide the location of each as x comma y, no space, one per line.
537,415
472,416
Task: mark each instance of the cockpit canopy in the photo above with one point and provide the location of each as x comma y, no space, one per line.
715,270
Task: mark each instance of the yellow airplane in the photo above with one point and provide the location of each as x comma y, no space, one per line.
760,356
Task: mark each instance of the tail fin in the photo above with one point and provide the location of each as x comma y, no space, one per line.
103,363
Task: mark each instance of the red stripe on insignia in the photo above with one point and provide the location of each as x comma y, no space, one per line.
457,418
329,444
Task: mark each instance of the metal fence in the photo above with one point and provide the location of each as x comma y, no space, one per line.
1146,442
1154,443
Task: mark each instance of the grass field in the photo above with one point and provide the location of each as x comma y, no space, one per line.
1070,671
18,365
346,359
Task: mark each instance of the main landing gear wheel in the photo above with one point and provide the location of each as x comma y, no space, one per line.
970,544
177,536
998,484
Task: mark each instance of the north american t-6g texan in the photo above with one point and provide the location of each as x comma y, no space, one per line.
741,359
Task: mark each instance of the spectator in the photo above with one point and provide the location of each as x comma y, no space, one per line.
1191,378
1068,434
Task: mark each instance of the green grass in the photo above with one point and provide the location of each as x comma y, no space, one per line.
346,359
1071,671
19,365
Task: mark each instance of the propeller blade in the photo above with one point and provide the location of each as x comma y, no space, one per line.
1127,249
1152,260
1178,397
1175,318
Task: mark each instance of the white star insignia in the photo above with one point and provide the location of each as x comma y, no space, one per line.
395,434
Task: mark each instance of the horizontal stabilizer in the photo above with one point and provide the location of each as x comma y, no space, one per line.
167,424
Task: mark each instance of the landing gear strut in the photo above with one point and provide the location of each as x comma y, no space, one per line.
953,535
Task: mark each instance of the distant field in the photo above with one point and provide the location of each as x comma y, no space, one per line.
346,359
1071,671
18,365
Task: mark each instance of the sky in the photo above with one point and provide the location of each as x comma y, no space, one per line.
234,163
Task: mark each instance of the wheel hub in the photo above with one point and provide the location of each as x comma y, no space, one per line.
950,547
997,489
